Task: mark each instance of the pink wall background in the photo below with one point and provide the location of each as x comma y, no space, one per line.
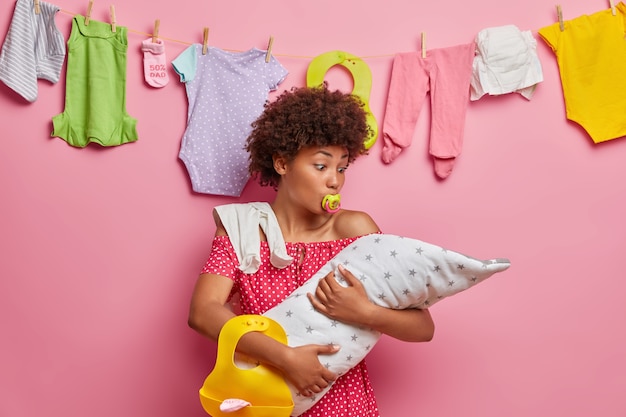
100,247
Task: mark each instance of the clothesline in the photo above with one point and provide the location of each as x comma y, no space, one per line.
467,58
559,14
138,32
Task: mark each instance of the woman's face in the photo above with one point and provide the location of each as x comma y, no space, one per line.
313,173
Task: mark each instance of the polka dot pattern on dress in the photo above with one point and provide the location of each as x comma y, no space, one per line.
352,394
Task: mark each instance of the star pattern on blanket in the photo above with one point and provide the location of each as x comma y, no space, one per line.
396,272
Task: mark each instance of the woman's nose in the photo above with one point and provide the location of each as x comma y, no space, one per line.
333,181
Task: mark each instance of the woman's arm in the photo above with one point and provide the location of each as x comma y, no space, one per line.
208,314
351,305
409,325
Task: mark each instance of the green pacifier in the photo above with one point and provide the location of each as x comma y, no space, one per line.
361,75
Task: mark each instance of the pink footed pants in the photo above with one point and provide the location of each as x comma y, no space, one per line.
445,73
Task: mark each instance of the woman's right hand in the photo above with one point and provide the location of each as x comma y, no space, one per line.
304,370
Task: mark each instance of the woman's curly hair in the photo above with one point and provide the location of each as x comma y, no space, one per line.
304,117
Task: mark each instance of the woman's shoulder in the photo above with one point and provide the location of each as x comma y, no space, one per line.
353,223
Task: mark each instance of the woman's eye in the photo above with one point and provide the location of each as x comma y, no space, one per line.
320,167
342,169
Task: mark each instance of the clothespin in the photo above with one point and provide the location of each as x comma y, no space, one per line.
612,4
423,44
88,15
155,32
113,22
37,9
268,54
559,14
205,41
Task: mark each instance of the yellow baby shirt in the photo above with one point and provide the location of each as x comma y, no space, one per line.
591,56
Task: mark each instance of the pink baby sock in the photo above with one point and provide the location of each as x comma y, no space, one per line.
154,63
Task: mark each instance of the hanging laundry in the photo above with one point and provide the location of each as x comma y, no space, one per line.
226,92
506,62
361,77
33,49
444,73
154,63
591,55
95,96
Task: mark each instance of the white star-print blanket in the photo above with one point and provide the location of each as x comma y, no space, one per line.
397,272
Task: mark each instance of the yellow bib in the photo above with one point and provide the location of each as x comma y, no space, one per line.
262,386
361,76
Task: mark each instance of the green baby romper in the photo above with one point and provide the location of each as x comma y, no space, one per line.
95,91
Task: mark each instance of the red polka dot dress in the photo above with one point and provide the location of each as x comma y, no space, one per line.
352,394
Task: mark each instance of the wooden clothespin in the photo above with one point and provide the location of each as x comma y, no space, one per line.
38,10
268,54
88,15
559,14
155,32
423,45
612,4
113,21
205,41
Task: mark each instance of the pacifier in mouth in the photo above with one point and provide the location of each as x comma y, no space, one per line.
331,203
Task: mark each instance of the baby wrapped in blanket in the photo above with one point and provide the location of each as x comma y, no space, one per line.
396,272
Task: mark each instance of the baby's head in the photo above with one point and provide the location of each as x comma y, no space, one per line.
301,118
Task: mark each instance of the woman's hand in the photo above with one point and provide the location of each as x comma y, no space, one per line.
347,304
305,372
352,306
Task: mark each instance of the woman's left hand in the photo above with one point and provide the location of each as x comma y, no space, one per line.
347,304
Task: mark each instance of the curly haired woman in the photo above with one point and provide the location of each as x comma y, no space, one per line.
302,145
